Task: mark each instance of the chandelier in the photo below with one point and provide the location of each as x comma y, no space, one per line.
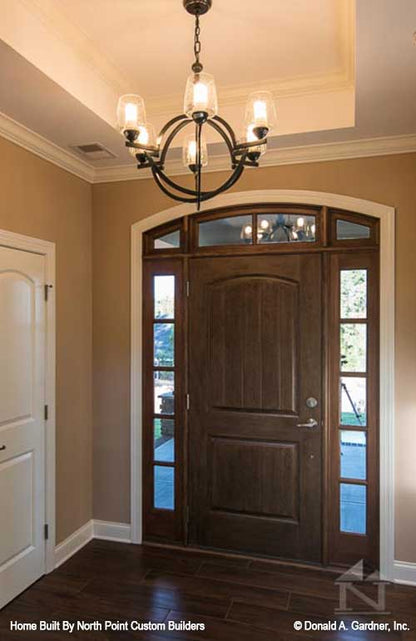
200,110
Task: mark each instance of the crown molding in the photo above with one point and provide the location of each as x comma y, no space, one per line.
364,148
40,146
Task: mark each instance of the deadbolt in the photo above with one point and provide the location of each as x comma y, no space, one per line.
311,402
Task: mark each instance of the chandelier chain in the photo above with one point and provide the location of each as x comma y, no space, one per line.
197,42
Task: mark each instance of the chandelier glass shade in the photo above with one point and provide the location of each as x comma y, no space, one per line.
200,111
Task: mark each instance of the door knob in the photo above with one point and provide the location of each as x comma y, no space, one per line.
310,423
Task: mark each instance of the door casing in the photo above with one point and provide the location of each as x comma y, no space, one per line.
386,216
47,249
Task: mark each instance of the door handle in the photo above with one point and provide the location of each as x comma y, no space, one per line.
2,447
310,423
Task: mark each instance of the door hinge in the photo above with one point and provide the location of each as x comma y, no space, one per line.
46,412
47,288
188,288
188,402
46,531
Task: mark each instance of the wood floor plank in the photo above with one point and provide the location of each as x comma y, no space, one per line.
204,587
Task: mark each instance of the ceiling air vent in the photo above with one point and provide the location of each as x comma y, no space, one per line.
94,151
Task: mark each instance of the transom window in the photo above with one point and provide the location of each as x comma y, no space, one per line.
263,228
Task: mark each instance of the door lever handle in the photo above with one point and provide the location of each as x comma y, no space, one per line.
2,447
310,423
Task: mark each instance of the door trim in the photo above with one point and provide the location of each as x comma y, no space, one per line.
47,249
386,215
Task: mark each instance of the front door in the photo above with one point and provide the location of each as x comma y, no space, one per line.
255,381
22,436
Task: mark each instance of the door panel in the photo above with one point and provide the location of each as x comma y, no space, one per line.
255,357
22,483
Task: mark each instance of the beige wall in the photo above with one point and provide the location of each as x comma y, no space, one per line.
390,180
41,200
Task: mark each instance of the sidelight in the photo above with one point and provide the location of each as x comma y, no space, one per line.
164,440
353,337
353,514
164,344
164,297
353,285
353,450
164,487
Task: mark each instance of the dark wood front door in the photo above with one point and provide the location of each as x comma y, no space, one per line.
255,358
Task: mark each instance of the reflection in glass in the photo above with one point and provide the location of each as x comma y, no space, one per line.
164,487
164,393
353,293
348,231
353,338
353,401
353,454
164,296
285,228
164,439
168,241
235,230
164,342
353,511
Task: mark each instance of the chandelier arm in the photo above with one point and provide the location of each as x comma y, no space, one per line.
158,178
228,128
228,183
171,136
170,123
224,136
240,147
169,181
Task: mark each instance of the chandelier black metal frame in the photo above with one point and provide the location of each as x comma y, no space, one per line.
200,111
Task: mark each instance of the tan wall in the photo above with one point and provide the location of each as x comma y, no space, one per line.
39,199
390,180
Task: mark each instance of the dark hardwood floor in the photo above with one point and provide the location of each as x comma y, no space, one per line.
236,599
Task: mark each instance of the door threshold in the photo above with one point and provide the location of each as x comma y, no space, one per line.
249,557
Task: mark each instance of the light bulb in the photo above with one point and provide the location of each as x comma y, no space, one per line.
248,230
200,96
260,113
294,235
264,223
300,222
190,153
313,229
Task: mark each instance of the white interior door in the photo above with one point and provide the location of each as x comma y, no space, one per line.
22,424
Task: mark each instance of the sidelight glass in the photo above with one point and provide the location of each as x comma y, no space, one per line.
285,228
353,285
353,345
164,344
234,230
164,487
347,230
164,440
353,394
168,241
353,512
164,392
353,446
164,297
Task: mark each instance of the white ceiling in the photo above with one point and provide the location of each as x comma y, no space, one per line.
338,72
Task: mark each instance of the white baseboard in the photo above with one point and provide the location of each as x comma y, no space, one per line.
405,573
110,531
94,529
73,543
